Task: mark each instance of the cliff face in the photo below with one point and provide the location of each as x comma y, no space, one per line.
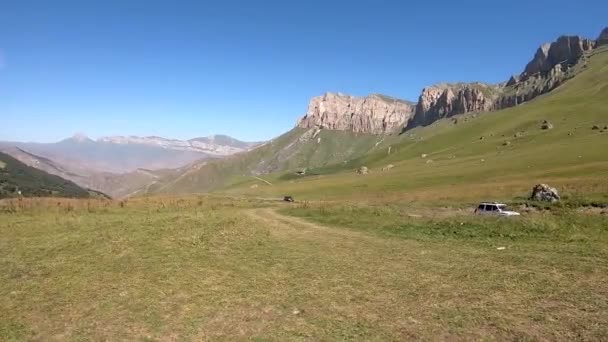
566,50
602,39
374,114
552,64
444,100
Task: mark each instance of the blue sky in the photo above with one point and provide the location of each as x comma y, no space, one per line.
183,69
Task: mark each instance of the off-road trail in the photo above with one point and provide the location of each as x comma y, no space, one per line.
301,227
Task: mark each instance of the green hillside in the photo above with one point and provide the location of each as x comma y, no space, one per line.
17,178
492,154
502,153
293,151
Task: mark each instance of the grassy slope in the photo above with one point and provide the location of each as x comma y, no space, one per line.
571,156
287,152
16,176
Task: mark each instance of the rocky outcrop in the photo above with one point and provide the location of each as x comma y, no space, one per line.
552,64
374,114
526,89
445,100
566,50
363,170
545,193
602,39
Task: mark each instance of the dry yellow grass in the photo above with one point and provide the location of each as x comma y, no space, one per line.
208,268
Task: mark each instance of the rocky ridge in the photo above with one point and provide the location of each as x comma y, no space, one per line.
602,39
374,114
217,145
552,64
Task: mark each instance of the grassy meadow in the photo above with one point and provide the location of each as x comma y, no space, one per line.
212,268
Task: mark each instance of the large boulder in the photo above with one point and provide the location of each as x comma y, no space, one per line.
363,170
546,125
545,193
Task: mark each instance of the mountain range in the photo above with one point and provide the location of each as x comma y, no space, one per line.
552,64
337,132
119,165
128,153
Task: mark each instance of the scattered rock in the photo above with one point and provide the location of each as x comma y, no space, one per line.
545,193
501,248
297,311
481,137
595,127
424,155
388,167
518,134
570,134
429,161
606,127
254,186
546,125
318,140
483,160
506,143
363,170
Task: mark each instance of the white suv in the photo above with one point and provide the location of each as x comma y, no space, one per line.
493,208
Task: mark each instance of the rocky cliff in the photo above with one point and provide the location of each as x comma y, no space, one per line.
444,100
376,114
602,39
566,50
552,64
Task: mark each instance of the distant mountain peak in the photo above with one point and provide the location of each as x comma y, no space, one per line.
215,145
79,138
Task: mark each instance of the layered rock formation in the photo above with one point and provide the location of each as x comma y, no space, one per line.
602,39
566,50
444,100
376,114
552,64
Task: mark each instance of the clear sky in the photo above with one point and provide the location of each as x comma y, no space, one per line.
182,69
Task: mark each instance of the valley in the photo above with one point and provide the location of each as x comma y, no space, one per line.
120,166
359,223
